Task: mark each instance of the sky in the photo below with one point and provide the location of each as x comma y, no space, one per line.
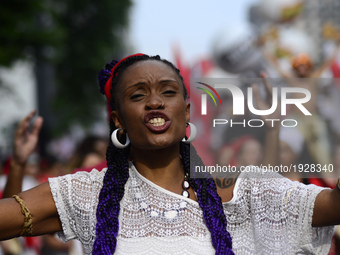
157,27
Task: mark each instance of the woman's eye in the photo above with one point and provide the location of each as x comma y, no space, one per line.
136,96
169,92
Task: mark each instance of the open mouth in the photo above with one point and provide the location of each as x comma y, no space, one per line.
157,121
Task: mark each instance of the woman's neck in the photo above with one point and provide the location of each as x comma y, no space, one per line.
163,167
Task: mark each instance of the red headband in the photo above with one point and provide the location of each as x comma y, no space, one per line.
108,84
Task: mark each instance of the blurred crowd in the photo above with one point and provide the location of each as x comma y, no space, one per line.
88,154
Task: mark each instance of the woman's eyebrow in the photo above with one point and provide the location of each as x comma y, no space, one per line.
168,80
144,83
135,85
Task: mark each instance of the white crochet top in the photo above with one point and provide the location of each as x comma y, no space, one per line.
268,214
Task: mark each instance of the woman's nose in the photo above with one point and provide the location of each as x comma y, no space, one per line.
154,102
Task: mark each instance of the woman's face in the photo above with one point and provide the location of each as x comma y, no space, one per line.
302,70
250,154
287,155
151,106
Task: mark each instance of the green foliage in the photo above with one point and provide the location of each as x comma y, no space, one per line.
20,31
77,37
87,52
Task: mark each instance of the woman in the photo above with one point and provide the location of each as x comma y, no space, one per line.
137,205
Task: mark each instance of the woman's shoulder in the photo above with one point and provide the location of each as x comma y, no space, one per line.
101,165
252,180
261,179
79,178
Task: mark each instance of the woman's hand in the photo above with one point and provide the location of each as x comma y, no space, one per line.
25,140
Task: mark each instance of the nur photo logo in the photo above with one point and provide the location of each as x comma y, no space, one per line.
204,97
280,97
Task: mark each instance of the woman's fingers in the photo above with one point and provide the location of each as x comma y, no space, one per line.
37,126
24,123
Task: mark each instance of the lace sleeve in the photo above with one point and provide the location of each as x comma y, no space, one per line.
288,207
76,198
313,240
272,215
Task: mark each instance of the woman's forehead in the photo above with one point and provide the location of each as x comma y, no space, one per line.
149,72
148,69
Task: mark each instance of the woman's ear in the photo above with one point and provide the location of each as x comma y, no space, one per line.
187,112
116,119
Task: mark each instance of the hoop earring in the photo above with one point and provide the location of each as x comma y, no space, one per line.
193,133
116,142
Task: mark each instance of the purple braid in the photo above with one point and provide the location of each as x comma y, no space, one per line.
105,74
209,201
109,199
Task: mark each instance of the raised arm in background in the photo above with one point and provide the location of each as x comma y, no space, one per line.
271,142
25,143
38,200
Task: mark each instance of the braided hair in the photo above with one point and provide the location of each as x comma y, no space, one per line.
118,172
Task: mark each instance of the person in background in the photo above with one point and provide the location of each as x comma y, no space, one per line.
291,146
249,153
89,152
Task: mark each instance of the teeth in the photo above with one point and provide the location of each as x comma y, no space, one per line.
157,122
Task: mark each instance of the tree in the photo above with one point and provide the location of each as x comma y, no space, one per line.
69,42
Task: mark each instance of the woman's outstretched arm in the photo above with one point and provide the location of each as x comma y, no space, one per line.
327,208
40,203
